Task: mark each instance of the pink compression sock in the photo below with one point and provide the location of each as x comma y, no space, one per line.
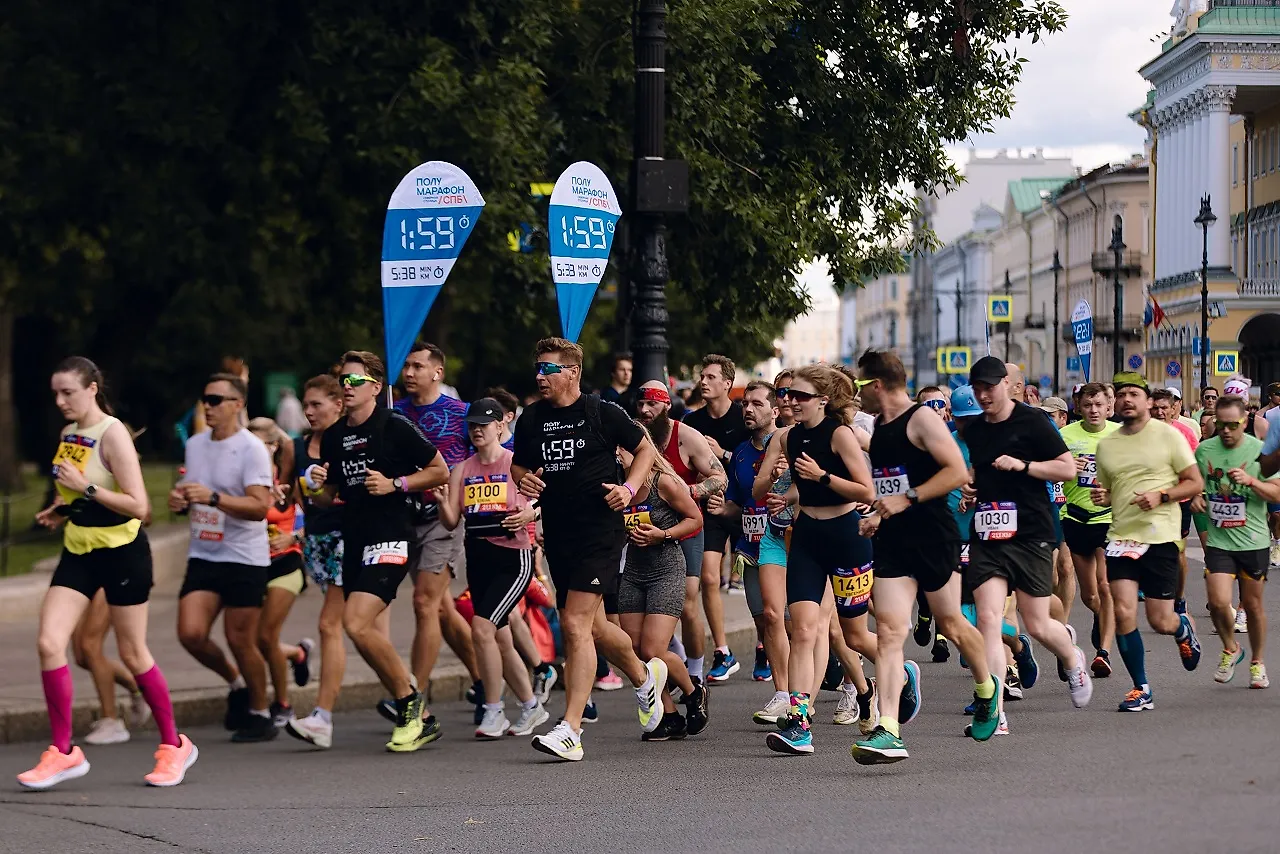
155,689
58,693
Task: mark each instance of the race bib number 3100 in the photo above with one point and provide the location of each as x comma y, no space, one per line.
482,494
996,521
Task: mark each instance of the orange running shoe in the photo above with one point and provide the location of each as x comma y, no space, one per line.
54,767
172,763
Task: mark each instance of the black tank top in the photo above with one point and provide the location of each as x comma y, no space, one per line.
816,442
896,465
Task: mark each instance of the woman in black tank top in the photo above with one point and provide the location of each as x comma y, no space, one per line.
831,476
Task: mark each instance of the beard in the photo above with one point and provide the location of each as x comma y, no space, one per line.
660,429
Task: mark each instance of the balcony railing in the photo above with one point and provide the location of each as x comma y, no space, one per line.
1034,320
1104,327
1130,262
1259,288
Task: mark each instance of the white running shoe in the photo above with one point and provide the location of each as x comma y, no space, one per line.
1242,622
312,729
847,707
107,731
543,683
494,724
777,707
1079,682
529,720
562,742
649,700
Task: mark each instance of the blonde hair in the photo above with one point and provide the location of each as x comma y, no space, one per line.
833,384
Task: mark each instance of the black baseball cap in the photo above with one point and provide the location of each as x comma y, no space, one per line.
484,411
989,370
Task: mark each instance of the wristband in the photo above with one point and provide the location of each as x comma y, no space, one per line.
401,484
629,489
306,478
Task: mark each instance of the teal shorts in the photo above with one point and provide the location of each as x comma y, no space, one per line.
773,550
971,614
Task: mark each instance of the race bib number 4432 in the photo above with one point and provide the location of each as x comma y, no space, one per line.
1227,512
996,520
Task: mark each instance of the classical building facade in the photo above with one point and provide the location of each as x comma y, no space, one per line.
879,318
1213,123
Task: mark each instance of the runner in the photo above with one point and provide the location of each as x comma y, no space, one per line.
1163,410
651,591
1151,462
691,458
720,421
1175,394
1208,399
226,491
100,500
1238,539
1085,524
830,475
438,551
323,554
619,381
499,565
915,464
566,457
1270,464
377,457
934,398
1015,450
285,578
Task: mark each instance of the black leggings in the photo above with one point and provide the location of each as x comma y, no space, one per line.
822,548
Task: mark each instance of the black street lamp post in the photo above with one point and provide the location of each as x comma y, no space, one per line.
1008,326
1057,325
1204,219
1117,247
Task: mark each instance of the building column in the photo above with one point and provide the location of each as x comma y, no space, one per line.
1160,129
1176,181
1190,187
1218,101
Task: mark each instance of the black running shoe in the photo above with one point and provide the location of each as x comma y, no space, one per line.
257,728
671,728
834,675
697,708
924,630
941,652
237,715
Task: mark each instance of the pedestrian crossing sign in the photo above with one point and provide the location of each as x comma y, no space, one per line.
1226,362
954,360
999,309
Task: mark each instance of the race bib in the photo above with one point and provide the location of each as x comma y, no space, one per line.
396,552
1227,512
207,523
852,587
890,481
1126,548
755,521
1057,493
637,515
1088,476
996,521
964,554
73,453
481,494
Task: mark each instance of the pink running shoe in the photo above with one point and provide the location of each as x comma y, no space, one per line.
54,767
172,763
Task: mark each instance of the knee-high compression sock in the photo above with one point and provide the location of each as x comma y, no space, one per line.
58,693
155,689
1134,655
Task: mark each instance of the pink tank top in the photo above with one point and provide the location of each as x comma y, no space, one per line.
489,489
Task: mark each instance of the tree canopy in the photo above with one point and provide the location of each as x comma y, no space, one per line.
189,181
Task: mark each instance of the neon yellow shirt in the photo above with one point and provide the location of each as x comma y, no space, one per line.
1146,461
1082,443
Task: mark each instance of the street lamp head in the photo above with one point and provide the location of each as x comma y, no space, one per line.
1117,235
1205,218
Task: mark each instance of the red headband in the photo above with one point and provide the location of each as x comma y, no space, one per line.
657,394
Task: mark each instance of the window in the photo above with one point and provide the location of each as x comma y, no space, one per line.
1235,164
1235,252
893,289
1275,148
1253,157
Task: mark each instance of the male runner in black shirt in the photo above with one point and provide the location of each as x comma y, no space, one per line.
566,457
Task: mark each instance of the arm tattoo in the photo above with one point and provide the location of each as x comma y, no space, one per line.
715,483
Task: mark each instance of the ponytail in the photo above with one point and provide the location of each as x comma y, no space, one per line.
834,385
89,373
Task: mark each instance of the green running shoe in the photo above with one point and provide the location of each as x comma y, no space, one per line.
879,748
986,715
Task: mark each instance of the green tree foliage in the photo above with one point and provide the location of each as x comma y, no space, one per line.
190,181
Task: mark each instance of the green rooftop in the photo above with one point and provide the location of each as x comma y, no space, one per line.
1026,191
1240,20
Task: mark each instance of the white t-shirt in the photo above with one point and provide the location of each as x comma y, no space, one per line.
228,467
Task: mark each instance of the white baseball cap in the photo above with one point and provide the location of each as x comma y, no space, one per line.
1237,388
1175,391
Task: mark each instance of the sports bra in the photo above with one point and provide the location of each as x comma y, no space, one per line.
816,442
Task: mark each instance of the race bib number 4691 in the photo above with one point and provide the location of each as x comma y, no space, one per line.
996,521
755,521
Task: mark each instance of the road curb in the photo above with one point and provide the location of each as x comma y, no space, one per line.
205,706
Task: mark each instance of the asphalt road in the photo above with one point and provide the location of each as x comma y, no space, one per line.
1200,773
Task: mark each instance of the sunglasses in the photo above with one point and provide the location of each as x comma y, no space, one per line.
862,383
356,380
782,391
1229,425
936,404
216,399
800,396
547,368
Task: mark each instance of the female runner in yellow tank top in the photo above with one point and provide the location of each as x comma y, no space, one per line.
100,503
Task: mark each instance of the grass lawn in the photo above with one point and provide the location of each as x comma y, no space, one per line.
25,546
